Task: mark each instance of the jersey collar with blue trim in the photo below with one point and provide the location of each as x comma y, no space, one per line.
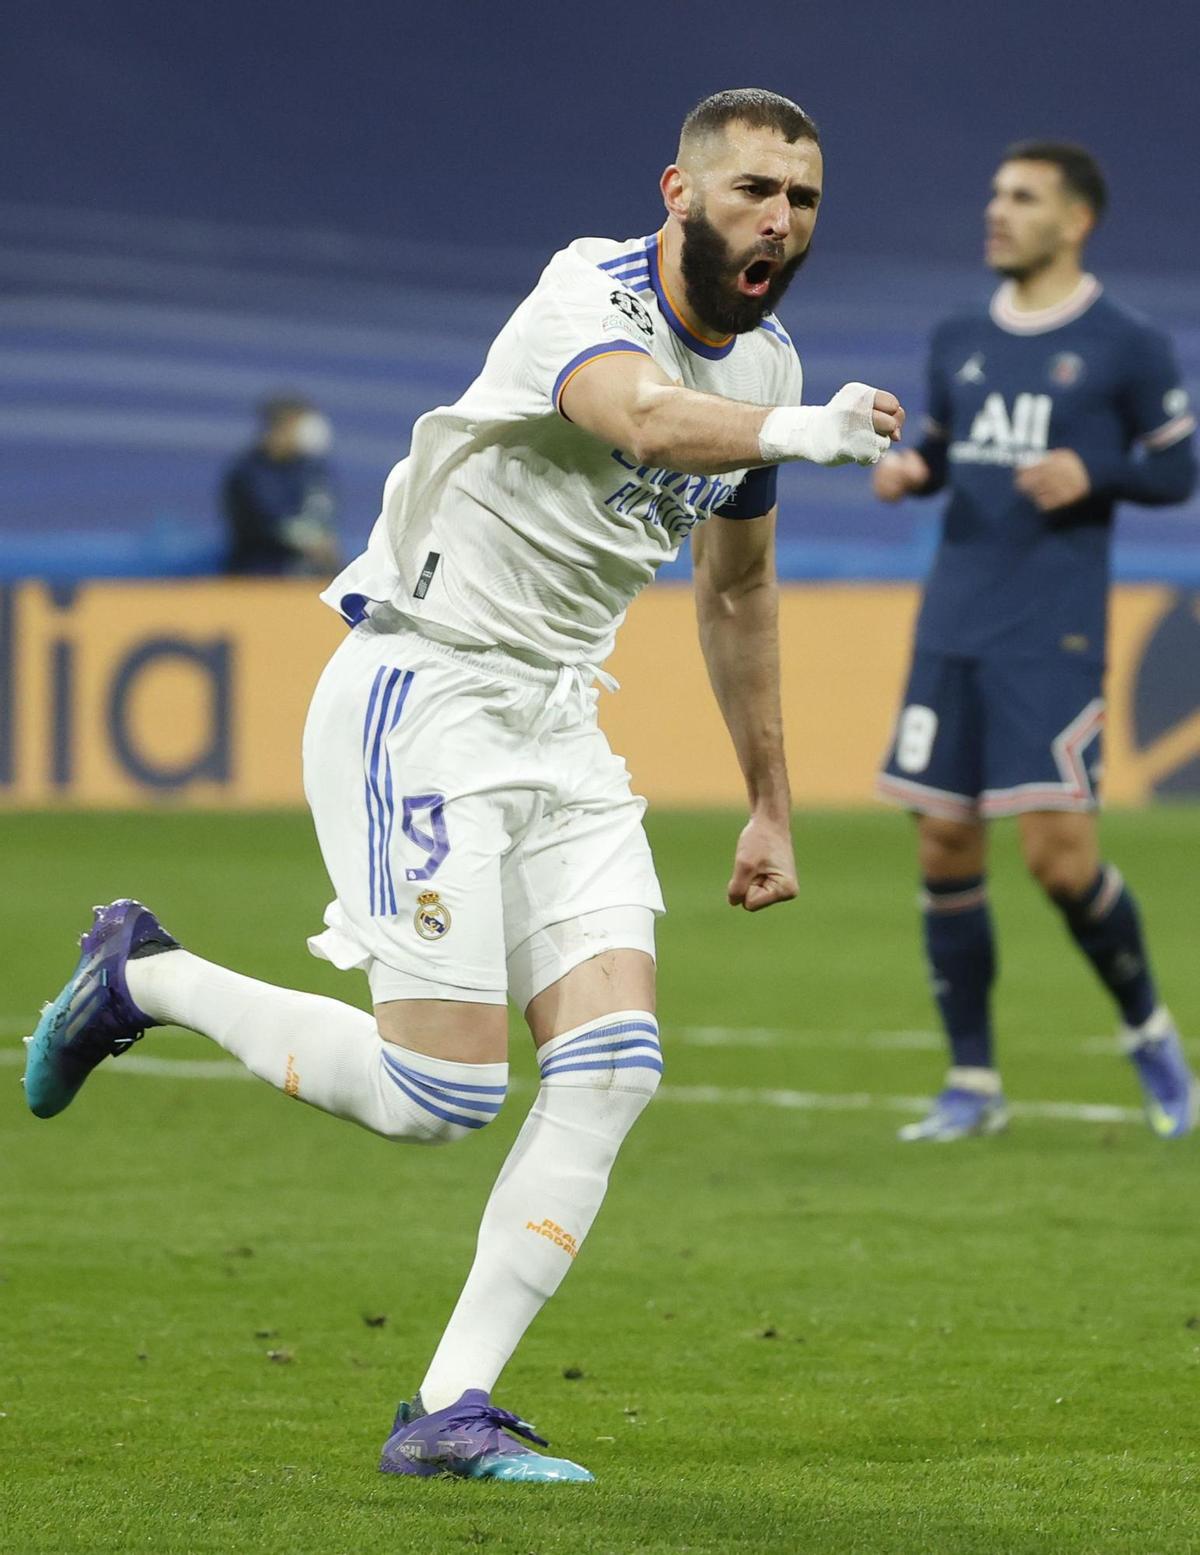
702,345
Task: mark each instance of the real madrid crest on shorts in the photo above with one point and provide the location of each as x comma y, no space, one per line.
432,917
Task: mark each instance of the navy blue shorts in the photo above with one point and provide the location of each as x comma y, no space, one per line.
988,737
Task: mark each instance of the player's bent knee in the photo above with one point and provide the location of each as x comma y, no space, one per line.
440,1131
617,1052
950,848
1061,876
1059,867
429,1101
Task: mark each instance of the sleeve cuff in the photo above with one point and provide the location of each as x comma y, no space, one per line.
581,360
1169,433
754,497
1106,472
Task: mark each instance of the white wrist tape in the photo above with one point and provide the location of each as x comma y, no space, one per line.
841,432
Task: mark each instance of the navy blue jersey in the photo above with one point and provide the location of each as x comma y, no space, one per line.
1004,389
261,496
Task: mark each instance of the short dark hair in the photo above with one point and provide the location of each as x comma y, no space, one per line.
751,105
1081,173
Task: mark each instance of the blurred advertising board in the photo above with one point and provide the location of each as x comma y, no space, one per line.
120,695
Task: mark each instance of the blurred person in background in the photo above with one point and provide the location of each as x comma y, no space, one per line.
278,499
1043,412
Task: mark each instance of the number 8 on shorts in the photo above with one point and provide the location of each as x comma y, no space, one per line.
915,737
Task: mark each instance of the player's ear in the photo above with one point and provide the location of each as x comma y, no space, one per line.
1081,221
676,188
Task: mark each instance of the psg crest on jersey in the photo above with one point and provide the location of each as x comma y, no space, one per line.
1065,369
432,917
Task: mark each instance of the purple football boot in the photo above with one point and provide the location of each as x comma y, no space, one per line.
94,1016
470,1439
1171,1090
956,1113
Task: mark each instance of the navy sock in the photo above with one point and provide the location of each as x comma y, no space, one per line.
962,965
1105,924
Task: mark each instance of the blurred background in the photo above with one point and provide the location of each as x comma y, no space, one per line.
205,208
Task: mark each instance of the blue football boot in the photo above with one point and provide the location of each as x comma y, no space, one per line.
473,1440
93,1017
957,1113
1170,1088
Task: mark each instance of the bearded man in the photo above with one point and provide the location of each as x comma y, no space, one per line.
481,837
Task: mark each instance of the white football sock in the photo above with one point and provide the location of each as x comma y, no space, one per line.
981,1081
596,1080
323,1052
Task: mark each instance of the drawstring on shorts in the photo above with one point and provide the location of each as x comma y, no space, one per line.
577,680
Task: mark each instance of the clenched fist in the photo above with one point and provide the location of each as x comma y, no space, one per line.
887,415
857,427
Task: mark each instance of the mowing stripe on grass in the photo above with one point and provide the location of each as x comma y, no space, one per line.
783,1036
707,1095
779,1037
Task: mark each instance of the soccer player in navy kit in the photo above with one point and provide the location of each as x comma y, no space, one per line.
1043,413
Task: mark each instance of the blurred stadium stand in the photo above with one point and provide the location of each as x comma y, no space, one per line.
134,349
349,206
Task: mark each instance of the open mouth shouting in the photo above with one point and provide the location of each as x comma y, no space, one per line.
754,279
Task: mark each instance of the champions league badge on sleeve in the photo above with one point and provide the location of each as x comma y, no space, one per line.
432,917
631,309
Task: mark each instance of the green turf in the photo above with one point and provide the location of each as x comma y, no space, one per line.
786,1333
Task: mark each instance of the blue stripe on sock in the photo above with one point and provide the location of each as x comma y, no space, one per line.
608,1036
447,1098
450,1085
592,1064
620,1029
437,1112
645,1044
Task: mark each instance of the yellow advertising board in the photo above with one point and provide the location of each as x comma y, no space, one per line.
119,695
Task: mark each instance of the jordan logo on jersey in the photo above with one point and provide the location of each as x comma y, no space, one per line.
1001,436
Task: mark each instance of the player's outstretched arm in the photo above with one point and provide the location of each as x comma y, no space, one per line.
628,401
737,606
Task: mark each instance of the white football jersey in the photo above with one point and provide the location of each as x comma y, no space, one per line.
508,526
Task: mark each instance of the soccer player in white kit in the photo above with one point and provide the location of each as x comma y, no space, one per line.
480,835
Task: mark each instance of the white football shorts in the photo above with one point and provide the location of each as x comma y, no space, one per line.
479,833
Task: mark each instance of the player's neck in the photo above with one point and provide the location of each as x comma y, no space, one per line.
1046,288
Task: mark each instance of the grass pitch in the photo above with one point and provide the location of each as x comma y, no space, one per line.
786,1332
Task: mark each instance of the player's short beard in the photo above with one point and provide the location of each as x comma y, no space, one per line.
1025,269
1019,272
710,274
